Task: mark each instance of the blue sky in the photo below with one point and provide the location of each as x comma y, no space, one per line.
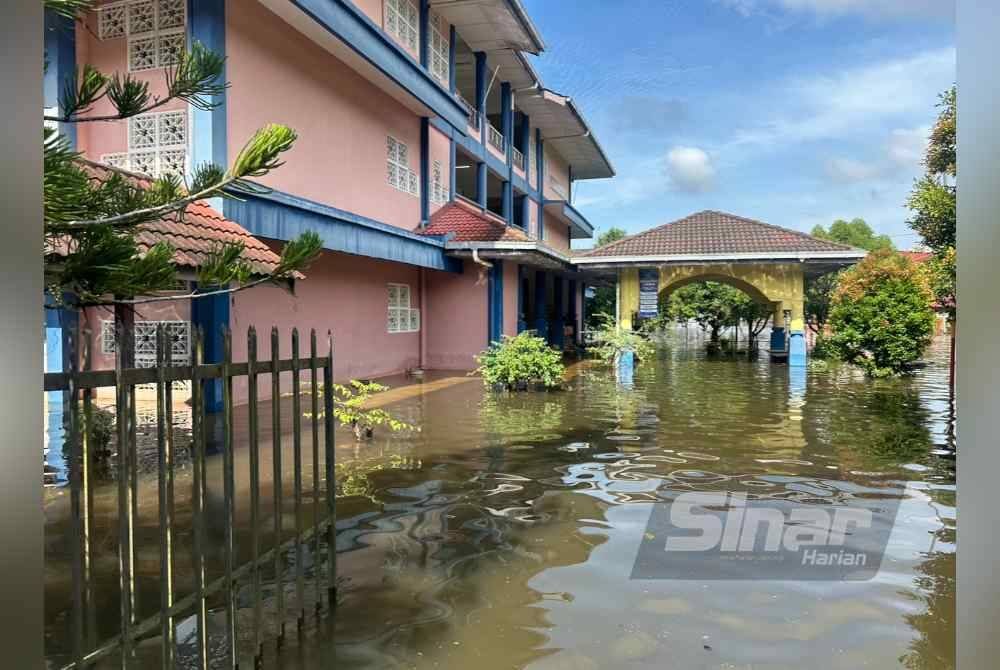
795,112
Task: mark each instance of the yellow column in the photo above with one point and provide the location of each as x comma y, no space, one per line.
628,296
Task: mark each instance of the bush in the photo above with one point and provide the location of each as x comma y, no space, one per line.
822,349
610,341
881,314
514,362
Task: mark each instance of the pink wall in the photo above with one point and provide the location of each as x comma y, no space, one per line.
533,219
109,56
556,233
556,169
510,289
440,150
456,318
342,119
343,293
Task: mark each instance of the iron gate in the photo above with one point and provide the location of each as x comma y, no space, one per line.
293,556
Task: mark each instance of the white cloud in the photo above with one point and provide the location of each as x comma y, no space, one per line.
906,146
690,169
849,170
838,104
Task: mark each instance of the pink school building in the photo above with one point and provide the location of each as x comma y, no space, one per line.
431,160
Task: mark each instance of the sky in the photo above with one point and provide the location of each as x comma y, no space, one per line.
794,112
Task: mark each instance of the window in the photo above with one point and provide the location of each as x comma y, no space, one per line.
402,21
398,172
440,51
179,333
402,318
155,30
157,144
439,192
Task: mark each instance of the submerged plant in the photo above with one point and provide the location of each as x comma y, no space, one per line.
610,342
515,362
349,409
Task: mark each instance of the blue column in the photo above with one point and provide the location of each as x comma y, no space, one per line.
540,161
777,339
60,54
207,24
424,32
523,138
557,337
506,117
506,202
541,297
571,309
526,210
522,324
425,172
452,41
453,171
495,302
797,348
481,184
211,313
481,84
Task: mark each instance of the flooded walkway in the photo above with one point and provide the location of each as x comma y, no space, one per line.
503,533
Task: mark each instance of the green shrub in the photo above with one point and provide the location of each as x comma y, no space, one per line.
610,341
520,360
822,350
881,314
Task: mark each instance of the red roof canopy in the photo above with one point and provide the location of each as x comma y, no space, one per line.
467,223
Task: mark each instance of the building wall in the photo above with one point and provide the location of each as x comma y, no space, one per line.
342,120
343,293
456,318
440,150
556,233
556,170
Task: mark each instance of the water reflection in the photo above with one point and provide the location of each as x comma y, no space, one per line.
503,534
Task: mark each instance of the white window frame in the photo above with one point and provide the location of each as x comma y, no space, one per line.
145,347
439,191
439,52
401,318
163,152
401,19
155,30
398,172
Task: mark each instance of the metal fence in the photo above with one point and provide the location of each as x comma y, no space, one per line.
237,594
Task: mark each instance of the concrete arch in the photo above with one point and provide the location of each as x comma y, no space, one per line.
755,294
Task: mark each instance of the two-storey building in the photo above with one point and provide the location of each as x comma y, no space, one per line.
432,161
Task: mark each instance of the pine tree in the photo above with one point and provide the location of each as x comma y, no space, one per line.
91,251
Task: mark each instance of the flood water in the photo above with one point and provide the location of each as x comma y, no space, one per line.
503,533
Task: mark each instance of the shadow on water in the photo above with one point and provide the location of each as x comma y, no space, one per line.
503,533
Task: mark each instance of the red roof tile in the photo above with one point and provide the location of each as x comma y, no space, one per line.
715,233
468,223
917,256
196,234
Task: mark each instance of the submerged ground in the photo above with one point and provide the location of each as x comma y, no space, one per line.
503,533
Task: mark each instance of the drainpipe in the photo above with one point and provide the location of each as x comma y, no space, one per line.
480,261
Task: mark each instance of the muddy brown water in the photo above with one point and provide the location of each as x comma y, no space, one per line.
503,533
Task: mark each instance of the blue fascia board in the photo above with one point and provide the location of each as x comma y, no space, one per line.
576,219
349,24
282,216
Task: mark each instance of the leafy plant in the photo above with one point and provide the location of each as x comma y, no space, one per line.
350,409
610,342
881,314
520,360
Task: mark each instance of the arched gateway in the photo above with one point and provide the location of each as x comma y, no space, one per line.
767,262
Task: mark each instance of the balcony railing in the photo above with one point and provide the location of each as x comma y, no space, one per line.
473,115
495,138
518,158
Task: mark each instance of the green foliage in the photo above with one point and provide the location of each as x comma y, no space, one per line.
819,291
518,360
933,204
941,155
351,408
855,233
942,276
90,225
610,341
821,348
610,235
881,314
602,305
715,306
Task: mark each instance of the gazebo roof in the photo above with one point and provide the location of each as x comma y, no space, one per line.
711,234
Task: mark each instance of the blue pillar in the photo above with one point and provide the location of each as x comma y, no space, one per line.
207,24
425,172
506,117
571,310
60,54
541,297
506,202
523,138
453,171
481,184
540,161
522,324
495,302
211,314
557,337
526,211
481,84
777,339
452,41
60,325
424,32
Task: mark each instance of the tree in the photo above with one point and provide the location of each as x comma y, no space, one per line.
881,314
713,305
91,251
603,303
755,314
855,233
933,200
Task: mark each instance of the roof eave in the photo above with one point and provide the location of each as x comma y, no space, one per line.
651,259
